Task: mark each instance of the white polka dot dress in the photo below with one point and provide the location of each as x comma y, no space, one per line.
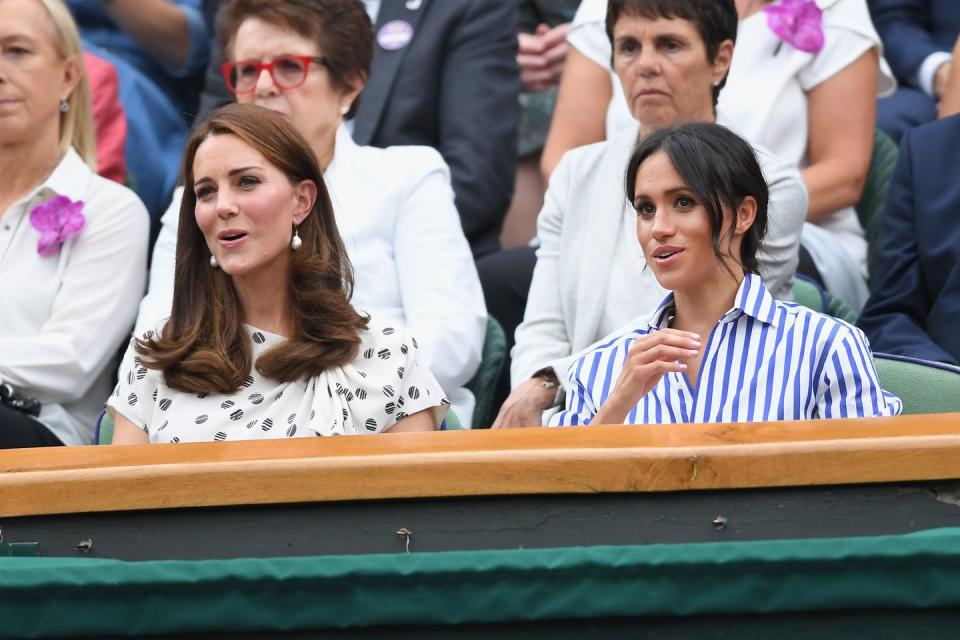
383,385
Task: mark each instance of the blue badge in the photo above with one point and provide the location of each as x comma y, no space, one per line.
395,35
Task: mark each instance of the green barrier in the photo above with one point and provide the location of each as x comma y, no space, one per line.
42,597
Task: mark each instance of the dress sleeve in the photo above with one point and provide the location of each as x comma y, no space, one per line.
848,34
136,390
395,382
588,32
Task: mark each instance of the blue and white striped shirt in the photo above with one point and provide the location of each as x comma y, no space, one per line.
765,360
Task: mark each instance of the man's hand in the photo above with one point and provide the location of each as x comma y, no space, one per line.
940,80
524,406
541,56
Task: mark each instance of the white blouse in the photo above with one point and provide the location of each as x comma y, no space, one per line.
412,264
385,383
64,315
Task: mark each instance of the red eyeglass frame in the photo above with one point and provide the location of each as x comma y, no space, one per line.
227,68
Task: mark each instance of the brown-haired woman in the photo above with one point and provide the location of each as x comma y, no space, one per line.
262,341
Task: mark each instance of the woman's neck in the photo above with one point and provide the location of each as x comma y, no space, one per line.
263,298
324,146
699,309
708,114
24,166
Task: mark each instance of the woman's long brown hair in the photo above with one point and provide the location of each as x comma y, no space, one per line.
203,348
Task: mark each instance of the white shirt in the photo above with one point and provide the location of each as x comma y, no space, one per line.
63,316
382,385
373,9
764,360
412,264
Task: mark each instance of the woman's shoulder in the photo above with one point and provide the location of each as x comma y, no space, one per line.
108,199
403,160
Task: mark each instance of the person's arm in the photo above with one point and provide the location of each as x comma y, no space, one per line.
787,212
842,115
125,432
896,313
156,305
950,102
94,308
439,286
848,386
479,113
172,33
420,421
580,115
907,34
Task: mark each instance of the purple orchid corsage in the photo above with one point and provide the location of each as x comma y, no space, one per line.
799,23
56,220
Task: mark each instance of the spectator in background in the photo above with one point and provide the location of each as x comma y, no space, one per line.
444,75
915,300
159,49
395,208
73,245
542,49
262,341
812,104
109,119
918,36
589,278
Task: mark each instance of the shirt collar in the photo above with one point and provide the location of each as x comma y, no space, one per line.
752,299
70,178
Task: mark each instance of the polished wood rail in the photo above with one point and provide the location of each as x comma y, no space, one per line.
480,463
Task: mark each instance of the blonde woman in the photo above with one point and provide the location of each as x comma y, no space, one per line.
72,244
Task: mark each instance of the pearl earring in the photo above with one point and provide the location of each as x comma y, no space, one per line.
64,105
344,109
213,261
295,241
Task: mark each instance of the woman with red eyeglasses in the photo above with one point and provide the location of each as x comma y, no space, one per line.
308,61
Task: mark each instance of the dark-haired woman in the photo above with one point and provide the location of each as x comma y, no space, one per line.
719,348
395,207
262,341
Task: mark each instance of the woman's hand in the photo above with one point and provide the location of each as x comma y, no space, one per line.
525,405
649,358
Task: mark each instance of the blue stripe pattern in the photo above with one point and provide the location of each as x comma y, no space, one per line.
765,360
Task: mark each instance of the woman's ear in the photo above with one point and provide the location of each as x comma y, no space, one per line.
306,193
746,214
349,96
71,74
721,62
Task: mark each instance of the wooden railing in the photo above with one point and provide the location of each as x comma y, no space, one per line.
477,463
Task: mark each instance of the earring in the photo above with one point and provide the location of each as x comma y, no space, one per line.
295,241
344,109
213,261
64,105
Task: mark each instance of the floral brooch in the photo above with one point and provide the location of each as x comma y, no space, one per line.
56,220
799,23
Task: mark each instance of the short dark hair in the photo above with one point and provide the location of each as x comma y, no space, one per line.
720,168
341,29
715,20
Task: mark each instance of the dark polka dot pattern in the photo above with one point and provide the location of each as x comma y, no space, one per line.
259,338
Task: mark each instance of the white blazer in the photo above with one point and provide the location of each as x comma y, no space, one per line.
412,264
587,249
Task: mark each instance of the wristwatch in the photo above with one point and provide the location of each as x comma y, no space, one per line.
550,383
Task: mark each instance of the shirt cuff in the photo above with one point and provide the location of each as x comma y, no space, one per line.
928,69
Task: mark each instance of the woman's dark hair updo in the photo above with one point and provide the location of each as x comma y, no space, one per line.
720,168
